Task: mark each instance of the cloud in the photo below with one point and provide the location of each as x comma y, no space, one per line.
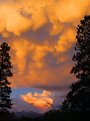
34,16
39,65
11,20
40,100
41,37
66,40
21,50
71,11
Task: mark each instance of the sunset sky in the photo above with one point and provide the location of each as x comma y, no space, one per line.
41,34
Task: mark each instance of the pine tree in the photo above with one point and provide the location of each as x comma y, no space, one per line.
78,99
5,72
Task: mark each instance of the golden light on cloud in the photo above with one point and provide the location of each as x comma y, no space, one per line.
40,100
11,20
66,40
21,50
41,36
70,10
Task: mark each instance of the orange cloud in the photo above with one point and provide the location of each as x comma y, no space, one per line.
66,40
42,101
70,10
21,50
34,16
41,55
11,20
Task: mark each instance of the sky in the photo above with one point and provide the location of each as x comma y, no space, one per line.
41,35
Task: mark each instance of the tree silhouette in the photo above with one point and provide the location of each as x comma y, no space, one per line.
78,99
5,72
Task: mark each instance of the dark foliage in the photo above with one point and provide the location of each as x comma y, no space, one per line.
78,99
52,116
5,72
7,116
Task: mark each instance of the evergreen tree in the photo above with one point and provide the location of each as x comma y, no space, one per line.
5,72
78,99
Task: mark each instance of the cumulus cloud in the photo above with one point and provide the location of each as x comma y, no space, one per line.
19,16
21,50
11,21
66,40
41,37
40,100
